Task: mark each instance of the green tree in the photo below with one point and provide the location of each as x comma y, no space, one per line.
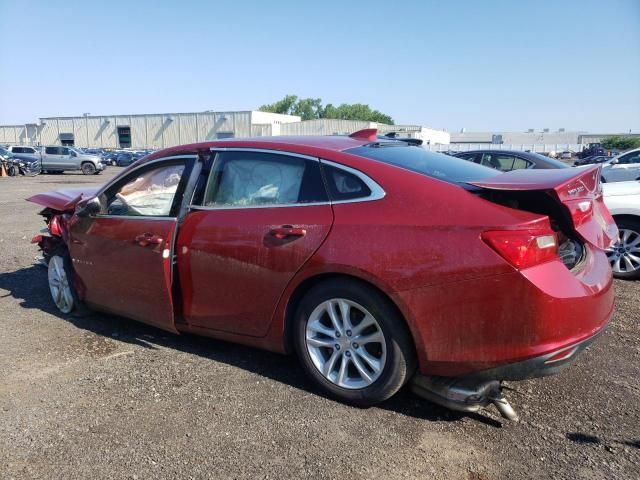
311,109
356,111
621,143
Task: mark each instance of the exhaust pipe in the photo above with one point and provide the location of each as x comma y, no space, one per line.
463,394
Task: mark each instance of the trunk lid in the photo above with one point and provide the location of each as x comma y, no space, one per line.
577,191
63,200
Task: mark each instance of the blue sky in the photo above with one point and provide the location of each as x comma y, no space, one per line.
482,65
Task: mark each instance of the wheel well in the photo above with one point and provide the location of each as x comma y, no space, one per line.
626,216
311,282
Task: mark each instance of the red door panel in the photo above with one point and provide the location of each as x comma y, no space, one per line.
235,263
121,265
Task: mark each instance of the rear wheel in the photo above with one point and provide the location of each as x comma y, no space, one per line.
624,255
353,343
88,168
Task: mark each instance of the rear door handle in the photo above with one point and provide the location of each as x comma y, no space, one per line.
287,231
148,239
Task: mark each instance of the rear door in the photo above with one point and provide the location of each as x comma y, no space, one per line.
52,158
262,216
123,256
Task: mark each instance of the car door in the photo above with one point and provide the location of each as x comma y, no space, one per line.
123,255
627,168
69,159
262,216
52,158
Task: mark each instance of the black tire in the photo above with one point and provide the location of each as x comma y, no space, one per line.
400,354
634,225
88,168
12,171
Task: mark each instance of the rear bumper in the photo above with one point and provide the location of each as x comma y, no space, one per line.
509,326
541,366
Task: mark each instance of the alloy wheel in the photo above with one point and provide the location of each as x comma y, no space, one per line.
624,255
346,343
59,285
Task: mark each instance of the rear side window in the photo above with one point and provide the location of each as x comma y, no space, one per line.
250,179
520,164
420,160
52,150
343,185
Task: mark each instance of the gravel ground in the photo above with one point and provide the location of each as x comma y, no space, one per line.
106,397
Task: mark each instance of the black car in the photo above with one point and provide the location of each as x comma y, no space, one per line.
507,160
592,160
124,159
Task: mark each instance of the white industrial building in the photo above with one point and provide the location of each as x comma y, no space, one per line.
169,129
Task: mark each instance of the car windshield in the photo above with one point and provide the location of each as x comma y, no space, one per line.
75,150
421,160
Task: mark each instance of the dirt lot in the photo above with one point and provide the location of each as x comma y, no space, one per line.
105,397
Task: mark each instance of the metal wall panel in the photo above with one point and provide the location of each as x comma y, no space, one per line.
93,131
49,132
80,137
170,130
138,132
206,127
188,130
154,133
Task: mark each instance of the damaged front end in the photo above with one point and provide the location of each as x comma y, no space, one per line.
59,208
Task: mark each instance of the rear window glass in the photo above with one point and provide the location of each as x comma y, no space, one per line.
344,185
418,159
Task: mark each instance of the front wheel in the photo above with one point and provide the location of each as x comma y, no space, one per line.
60,284
624,255
88,168
353,343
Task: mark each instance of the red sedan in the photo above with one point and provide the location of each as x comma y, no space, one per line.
375,260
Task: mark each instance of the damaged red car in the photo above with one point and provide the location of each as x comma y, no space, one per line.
376,261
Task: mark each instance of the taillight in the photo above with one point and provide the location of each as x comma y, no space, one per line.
581,210
54,226
523,248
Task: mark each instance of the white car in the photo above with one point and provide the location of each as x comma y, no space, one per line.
623,167
623,201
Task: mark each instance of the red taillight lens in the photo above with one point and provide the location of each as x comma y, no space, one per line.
581,210
523,248
54,226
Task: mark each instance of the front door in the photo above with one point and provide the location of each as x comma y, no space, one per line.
627,168
262,217
123,256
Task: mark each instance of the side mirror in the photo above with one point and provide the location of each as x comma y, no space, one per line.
614,161
73,154
89,207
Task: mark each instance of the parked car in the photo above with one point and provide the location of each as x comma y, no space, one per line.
507,160
56,158
124,159
591,160
369,258
623,201
566,155
623,167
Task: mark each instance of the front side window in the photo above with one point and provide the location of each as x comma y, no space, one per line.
150,193
250,179
633,157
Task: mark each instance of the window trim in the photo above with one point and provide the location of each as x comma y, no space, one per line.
377,192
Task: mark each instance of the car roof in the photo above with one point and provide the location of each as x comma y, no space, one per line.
302,144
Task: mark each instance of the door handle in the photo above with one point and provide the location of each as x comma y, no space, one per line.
148,239
287,231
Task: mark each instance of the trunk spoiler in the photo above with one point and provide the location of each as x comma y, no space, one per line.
578,189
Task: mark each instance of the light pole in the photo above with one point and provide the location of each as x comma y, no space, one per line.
86,125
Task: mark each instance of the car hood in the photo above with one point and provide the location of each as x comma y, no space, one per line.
65,199
94,158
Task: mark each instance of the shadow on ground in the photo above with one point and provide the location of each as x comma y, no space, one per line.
29,287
